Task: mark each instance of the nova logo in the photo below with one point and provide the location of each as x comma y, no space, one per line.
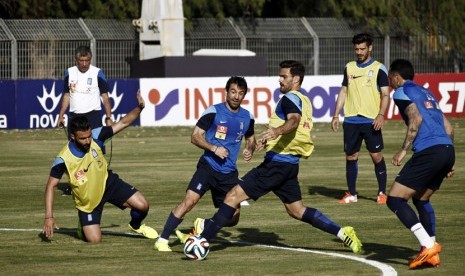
45,96
162,108
113,95
46,120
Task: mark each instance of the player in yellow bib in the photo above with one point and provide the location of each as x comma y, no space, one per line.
82,160
365,96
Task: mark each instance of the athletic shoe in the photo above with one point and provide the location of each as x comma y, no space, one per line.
199,223
145,231
350,239
183,237
382,198
424,255
162,246
434,261
348,198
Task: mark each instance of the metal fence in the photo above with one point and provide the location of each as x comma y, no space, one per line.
43,49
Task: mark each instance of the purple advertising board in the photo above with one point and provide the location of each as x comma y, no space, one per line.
35,104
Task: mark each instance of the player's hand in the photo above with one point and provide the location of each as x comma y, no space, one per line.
247,155
261,143
61,122
49,225
221,152
397,158
269,134
378,123
451,173
335,123
140,100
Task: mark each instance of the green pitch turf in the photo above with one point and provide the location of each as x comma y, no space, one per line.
160,161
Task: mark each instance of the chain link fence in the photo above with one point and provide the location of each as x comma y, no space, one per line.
44,48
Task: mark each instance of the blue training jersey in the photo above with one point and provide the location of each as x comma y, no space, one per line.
432,131
226,130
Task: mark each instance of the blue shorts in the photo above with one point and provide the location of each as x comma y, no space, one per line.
117,192
206,178
279,177
427,168
355,133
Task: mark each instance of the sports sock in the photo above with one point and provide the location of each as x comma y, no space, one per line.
317,219
423,237
219,220
137,217
426,215
381,176
171,223
351,175
403,211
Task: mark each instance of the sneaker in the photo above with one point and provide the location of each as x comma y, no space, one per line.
424,255
350,239
382,198
183,237
434,261
145,231
162,246
348,198
199,224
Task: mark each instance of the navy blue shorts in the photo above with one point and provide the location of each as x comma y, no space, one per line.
281,178
117,192
355,133
206,178
427,168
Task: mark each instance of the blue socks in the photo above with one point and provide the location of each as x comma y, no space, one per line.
426,215
171,223
137,217
381,176
317,219
404,212
218,221
351,175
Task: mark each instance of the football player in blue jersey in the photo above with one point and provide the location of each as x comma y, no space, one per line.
430,136
219,132
287,140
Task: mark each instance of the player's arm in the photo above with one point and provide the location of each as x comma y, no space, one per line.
130,117
378,123
107,107
64,106
341,99
293,115
49,219
450,131
250,142
414,121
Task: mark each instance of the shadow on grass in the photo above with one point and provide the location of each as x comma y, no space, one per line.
334,193
72,232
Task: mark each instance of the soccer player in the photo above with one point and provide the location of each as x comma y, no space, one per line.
430,135
219,132
287,140
365,96
92,183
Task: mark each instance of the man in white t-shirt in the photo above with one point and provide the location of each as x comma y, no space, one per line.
84,86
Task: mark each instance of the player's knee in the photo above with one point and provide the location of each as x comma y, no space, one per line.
394,203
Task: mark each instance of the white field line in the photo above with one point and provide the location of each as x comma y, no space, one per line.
385,269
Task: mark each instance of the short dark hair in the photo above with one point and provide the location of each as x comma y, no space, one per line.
404,68
297,68
361,38
83,51
239,81
79,123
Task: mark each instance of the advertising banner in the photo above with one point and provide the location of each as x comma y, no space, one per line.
7,104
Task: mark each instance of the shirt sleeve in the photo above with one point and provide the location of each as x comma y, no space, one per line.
58,168
345,81
65,83
206,121
382,79
102,83
291,106
251,129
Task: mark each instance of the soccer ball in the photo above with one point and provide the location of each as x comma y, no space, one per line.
196,248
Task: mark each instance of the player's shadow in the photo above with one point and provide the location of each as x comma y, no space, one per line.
72,232
388,254
333,193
